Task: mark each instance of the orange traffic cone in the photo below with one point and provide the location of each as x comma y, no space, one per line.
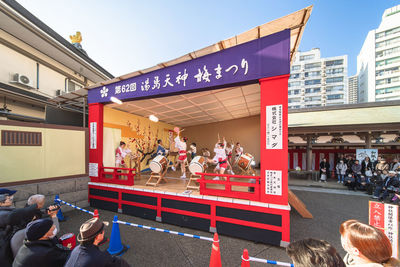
245,259
96,214
215,259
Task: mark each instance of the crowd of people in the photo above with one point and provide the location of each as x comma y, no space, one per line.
378,178
28,237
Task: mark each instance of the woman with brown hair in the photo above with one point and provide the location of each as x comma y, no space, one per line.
366,245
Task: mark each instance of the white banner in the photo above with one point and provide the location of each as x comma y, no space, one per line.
94,169
392,227
273,182
364,152
93,135
274,127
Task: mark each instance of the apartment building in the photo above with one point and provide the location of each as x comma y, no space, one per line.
316,81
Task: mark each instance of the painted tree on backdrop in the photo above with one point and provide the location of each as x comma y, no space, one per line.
145,144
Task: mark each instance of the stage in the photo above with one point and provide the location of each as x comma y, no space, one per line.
169,203
229,94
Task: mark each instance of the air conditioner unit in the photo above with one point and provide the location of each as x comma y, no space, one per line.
20,79
59,92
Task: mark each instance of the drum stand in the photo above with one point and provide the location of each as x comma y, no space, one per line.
249,171
136,160
193,179
158,177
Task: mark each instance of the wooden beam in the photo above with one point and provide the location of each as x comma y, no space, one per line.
298,205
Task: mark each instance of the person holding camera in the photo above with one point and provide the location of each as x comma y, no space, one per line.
39,200
11,221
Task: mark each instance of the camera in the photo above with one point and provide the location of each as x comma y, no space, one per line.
54,209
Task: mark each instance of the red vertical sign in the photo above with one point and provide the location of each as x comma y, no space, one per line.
274,139
377,214
96,111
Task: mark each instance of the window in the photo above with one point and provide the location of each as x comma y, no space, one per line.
392,60
312,98
312,105
294,100
387,61
388,90
20,138
334,62
332,89
312,65
306,57
388,52
335,103
296,67
71,86
296,106
295,76
294,92
334,71
313,90
334,80
387,33
387,80
387,71
311,82
312,73
291,84
333,97
388,42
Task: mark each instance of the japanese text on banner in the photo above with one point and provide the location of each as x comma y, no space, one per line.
273,182
274,127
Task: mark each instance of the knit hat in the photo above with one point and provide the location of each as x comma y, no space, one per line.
37,229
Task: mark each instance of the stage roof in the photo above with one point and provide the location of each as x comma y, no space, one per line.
199,108
216,105
296,22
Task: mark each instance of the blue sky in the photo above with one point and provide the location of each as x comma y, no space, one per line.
129,35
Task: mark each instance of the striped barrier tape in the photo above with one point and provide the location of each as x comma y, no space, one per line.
271,262
73,206
165,231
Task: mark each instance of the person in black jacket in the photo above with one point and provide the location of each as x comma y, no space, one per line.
88,254
390,180
324,167
11,221
40,248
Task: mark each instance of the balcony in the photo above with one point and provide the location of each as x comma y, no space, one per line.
387,85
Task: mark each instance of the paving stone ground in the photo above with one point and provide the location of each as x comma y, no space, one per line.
329,207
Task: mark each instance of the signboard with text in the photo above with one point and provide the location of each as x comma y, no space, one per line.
242,64
386,218
362,153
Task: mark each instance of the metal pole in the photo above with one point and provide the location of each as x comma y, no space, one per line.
84,112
